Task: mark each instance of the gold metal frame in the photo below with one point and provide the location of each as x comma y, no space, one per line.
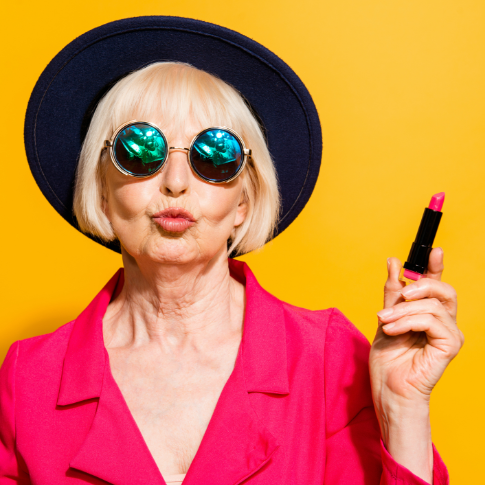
246,151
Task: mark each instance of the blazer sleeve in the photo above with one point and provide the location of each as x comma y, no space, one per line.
10,471
355,452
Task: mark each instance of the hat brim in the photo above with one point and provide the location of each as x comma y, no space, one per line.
75,79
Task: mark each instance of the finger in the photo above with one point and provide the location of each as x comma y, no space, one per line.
418,323
435,264
428,306
419,308
438,334
393,287
429,288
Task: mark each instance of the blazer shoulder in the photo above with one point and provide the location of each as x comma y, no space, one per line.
341,325
61,333
321,333
314,318
44,348
323,321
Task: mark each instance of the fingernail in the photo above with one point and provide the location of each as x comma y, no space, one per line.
388,262
385,313
408,291
389,325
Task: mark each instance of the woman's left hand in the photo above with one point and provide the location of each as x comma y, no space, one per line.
414,343
415,340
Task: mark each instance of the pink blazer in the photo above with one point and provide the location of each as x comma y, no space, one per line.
296,410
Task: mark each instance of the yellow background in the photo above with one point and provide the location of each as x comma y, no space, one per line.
400,88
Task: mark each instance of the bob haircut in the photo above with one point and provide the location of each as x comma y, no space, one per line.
167,93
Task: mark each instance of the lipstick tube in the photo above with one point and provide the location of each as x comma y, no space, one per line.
416,265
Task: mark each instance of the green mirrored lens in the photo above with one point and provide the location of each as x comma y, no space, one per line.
216,155
140,149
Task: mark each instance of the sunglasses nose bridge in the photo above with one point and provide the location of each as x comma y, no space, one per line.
179,149
176,178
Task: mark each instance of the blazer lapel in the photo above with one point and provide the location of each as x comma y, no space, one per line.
236,444
114,449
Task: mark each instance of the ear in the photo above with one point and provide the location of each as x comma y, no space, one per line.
104,205
242,210
104,190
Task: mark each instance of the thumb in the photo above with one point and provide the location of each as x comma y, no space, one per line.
435,265
393,287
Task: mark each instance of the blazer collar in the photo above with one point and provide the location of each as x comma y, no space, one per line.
263,346
83,370
264,336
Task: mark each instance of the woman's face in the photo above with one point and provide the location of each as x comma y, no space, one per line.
173,216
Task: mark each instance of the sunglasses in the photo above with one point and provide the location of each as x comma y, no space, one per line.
140,149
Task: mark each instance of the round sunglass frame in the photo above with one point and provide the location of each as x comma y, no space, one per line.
246,152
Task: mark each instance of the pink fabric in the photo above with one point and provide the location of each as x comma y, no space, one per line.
297,408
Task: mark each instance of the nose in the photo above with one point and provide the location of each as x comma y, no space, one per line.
176,174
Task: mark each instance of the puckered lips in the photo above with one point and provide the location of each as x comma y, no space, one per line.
174,219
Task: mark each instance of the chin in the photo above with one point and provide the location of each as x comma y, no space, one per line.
177,250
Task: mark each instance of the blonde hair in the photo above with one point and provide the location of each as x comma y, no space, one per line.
170,92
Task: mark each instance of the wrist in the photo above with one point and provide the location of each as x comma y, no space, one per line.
405,425
406,434
403,418
388,403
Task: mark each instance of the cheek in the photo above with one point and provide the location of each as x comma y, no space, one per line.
129,199
219,203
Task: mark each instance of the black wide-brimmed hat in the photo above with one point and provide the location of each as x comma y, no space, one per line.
67,92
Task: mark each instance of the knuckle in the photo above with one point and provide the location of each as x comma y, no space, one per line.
449,290
434,302
389,286
462,338
451,353
423,283
456,350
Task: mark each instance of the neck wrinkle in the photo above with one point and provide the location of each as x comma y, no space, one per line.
176,306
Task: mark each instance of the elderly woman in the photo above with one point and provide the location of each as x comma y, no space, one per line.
183,368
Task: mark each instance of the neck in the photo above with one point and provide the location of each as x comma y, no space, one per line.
176,305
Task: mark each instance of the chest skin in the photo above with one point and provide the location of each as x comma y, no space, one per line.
172,397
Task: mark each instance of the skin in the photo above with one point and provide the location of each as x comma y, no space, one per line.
414,343
174,331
